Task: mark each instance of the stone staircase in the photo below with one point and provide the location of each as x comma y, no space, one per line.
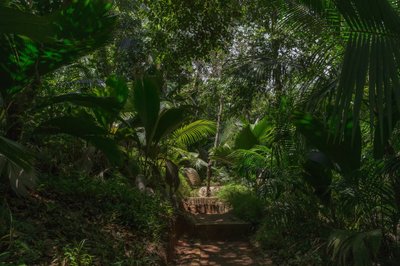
211,219
204,205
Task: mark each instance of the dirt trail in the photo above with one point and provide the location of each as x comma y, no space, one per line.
190,252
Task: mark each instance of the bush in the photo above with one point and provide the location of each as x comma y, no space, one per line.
292,228
245,203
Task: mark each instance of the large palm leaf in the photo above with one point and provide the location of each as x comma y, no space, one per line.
193,132
371,60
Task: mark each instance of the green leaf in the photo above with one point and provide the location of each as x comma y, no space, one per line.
355,248
384,136
118,89
16,163
16,153
108,146
169,120
85,128
246,139
147,103
39,45
107,104
261,128
193,132
13,21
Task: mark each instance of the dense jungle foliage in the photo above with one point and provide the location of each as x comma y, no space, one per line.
291,106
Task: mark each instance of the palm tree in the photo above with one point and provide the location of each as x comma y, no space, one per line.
161,133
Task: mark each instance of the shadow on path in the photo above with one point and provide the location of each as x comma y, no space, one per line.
212,252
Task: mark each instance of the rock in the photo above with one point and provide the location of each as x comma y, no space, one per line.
213,191
192,176
139,182
150,191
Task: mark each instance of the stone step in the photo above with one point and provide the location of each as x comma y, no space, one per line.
205,205
217,227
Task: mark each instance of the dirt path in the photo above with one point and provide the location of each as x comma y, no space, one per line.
219,253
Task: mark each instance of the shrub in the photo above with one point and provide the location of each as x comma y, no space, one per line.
245,203
292,227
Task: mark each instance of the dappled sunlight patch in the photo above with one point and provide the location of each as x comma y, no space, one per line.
192,252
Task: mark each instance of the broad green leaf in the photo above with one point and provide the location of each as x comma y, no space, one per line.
356,248
16,163
147,103
13,21
169,120
33,49
85,128
261,128
379,149
246,139
108,146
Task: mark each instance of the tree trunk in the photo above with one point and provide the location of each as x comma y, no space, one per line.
216,141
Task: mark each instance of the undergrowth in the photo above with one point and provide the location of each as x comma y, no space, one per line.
245,203
84,221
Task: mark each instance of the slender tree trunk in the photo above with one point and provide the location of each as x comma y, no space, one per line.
277,69
216,142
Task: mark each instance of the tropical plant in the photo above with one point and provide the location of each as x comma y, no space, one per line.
359,249
371,60
252,153
94,123
344,155
159,132
32,46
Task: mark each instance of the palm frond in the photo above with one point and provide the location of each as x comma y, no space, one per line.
250,160
193,132
354,248
193,158
221,154
371,59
